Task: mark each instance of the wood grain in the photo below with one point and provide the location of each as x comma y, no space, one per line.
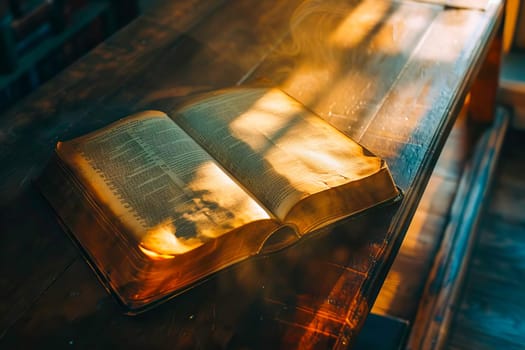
314,295
490,312
431,324
239,307
404,284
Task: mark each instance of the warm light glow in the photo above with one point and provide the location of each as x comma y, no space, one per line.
440,54
416,240
161,243
421,238
358,24
333,45
389,293
217,205
155,256
275,127
221,204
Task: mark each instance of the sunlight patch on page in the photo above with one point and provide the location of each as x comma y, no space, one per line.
300,147
219,197
218,205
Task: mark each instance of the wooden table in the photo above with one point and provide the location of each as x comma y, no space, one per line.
390,74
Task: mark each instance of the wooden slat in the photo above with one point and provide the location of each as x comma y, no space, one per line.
435,311
210,57
404,284
418,100
490,312
408,152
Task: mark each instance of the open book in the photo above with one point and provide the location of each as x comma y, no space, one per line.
159,203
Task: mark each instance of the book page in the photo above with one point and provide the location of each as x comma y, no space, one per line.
160,184
274,146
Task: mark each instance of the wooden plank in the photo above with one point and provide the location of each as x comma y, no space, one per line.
336,78
32,252
210,57
61,103
457,148
397,130
404,284
405,281
27,266
414,110
441,290
490,314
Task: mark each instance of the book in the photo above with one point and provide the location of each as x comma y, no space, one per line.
159,203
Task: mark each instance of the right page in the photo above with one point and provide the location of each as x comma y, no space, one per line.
297,165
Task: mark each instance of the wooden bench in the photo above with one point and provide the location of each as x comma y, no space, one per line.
393,75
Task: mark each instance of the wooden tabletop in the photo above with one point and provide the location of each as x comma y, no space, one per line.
390,74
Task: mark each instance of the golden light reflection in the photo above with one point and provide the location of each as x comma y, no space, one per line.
422,237
440,54
340,52
389,293
396,280
155,256
325,37
358,24
161,243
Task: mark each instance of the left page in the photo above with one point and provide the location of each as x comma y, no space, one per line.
167,192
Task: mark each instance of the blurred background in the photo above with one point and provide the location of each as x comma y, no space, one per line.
39,38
